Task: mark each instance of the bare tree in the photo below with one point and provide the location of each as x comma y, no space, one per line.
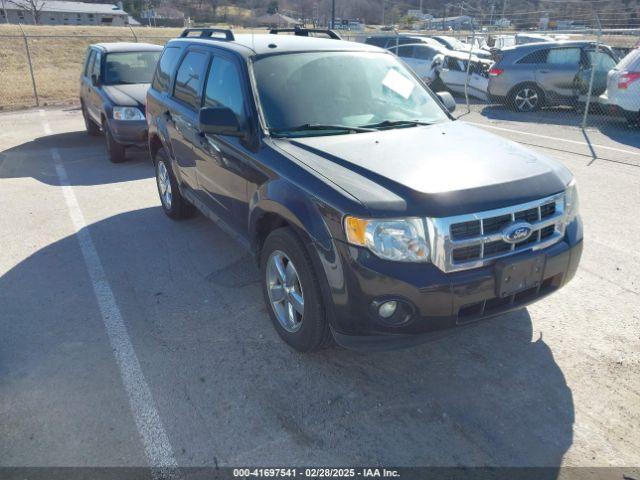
33,7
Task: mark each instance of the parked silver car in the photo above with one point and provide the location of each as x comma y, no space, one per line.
528,77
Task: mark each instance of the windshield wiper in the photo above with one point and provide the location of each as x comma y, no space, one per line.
318,126
396,123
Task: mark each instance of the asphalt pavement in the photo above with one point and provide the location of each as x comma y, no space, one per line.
128,339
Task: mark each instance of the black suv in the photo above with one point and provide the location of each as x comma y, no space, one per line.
375,218
113,87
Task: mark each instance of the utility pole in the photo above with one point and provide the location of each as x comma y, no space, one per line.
444,18
383,5
333,13
420,6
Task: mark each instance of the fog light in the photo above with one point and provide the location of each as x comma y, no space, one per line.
387,309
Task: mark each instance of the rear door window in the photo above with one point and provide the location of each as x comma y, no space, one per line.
404,52
566,57
165,68
189,78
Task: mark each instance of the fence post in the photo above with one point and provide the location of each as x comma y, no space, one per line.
593,74
466,81
33,78
133,33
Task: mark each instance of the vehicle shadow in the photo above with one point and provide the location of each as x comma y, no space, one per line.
33,159
489,395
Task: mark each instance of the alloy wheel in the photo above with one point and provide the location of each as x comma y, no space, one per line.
164,185
285,291
527,99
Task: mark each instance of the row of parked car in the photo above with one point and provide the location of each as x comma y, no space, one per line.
376,219
525,76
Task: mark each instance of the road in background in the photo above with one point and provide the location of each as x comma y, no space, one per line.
556,384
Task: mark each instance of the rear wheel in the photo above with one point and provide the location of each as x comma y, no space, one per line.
175,206
114,149
526,98
292,292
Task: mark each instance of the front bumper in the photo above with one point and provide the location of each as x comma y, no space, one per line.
129,133
439,301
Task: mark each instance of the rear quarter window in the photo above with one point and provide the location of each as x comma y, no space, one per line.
165,68
534,58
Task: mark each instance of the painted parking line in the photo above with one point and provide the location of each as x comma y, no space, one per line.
557,139
143,408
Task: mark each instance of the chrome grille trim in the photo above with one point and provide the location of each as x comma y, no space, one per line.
443,245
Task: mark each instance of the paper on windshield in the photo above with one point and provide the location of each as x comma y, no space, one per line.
398,83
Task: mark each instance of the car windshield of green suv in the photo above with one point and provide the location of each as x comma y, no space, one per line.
124,68
322,93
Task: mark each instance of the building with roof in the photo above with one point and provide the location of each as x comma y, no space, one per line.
462,22
56,12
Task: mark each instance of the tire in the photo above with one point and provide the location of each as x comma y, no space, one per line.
310,330
92,128
438,85
633,120
526,98
114,149
175,206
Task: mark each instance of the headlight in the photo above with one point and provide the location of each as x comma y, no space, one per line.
127,113
571,203
401,240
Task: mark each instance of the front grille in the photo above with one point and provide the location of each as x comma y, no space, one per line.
471,241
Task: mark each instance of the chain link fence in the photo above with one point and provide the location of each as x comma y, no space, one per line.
499,74
559,77
39,68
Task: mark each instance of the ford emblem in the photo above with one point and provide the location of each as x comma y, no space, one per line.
517,232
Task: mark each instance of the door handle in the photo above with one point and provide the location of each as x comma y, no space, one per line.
208,144
545,71
167,116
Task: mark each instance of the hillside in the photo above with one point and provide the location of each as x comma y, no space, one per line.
523,13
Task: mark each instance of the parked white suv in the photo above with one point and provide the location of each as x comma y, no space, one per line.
623,88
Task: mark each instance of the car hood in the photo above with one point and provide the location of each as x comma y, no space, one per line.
439,170
127,95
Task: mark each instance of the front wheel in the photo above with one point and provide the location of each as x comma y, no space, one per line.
292,292
526,98
114,149
92,128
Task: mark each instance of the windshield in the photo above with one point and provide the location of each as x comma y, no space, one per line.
130,67
629,60
453,43
346,89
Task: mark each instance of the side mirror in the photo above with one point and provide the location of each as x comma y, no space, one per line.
94,80
447,100
219,121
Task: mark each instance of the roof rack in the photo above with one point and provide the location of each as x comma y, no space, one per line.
208,33
304,32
